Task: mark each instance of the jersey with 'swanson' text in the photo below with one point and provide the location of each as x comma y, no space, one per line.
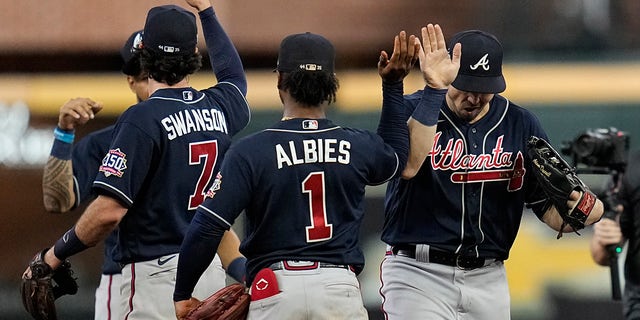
301,184
163,157
469,194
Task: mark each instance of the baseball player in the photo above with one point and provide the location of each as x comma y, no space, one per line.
160,161
450,222
69,172
302,183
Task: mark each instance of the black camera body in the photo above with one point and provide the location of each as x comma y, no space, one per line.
603,148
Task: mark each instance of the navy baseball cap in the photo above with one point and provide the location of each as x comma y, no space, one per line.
170,30
480,64
131,63
306,51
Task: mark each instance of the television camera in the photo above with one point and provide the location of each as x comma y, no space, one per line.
600,157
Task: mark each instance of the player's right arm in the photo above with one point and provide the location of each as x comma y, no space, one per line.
57,180
438,70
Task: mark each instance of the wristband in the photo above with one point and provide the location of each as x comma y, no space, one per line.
237,269
63,135
428,109
68,245
61,150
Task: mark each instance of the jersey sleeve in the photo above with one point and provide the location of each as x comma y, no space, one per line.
535,198
233,104
384,160
124,167
231,191
86,157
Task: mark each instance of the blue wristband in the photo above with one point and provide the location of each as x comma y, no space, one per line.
237,269
64,135
428,109
68,245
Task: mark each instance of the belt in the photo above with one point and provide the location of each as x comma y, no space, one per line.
444,257
292,265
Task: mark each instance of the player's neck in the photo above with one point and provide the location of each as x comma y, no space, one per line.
155,85
292,112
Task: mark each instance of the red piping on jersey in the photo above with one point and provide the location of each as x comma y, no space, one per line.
133,290
109,297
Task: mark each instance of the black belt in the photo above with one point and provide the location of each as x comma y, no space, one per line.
444,257
307,265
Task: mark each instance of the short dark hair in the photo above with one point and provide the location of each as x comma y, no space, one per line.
310,88
169,69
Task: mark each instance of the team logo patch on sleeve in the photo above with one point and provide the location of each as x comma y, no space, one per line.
114,163
215,187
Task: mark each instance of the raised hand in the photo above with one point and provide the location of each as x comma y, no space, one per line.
199,4
403,58
438,68
77,111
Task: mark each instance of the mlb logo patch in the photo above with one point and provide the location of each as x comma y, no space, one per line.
114,163
310,124
187,95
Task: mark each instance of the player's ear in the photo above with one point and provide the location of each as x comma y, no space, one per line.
131,80
280,79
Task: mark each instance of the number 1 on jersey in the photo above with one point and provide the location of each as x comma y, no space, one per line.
314,186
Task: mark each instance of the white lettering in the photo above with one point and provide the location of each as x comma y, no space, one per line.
314,151
282,157
188,121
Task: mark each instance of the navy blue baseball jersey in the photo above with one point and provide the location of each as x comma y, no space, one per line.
469,194
303,194
163,157
166,150
86,158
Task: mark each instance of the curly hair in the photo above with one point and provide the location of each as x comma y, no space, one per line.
310,88
169,69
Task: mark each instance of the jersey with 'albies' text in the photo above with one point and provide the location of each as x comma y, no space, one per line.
301,184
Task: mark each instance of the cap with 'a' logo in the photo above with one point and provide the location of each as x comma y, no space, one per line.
480,64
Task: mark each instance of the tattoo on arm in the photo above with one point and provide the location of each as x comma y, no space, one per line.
57,185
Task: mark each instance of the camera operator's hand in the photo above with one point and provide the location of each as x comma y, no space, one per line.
606,233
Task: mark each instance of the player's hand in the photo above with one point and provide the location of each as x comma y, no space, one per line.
607,232
403,58
199,4
77,112
438,68
185,306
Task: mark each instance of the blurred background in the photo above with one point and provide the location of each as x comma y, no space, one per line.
574,63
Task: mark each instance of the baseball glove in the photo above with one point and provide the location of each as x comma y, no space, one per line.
557,179
45,285
228,303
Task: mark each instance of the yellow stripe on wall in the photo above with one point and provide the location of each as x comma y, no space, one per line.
359,90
